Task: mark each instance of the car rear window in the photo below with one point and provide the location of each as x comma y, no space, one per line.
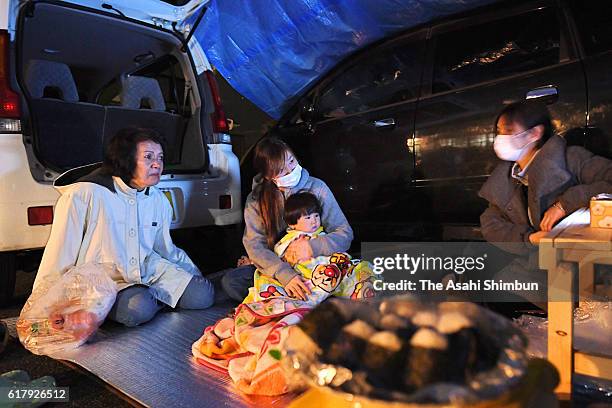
496,49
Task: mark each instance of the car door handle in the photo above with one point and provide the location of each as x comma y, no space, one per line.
382,123
546,92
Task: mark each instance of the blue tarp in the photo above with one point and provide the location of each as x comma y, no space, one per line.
271,51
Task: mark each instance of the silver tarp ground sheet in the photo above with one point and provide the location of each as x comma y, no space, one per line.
153,365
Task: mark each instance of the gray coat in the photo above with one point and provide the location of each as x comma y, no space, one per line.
571,175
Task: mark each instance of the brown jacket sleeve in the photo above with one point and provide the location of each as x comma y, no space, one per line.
498,230
594,176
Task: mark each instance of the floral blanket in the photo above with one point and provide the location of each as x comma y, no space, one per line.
249,346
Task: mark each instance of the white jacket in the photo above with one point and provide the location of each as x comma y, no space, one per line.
128,228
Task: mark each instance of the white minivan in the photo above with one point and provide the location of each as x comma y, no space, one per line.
74,72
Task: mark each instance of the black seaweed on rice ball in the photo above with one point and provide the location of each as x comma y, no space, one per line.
350,344
461,336
427,360
324,322
401,326
384,359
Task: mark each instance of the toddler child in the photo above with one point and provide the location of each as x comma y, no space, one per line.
324,275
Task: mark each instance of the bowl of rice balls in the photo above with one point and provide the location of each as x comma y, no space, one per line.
400,351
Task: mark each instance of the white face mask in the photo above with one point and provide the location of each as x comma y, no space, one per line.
508,147
289,180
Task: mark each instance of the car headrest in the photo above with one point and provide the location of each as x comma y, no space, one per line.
138,91
44,76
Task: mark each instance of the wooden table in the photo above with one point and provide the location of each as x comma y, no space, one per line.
573,242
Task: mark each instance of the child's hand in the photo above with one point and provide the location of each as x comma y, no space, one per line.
296,288
299,251
244,260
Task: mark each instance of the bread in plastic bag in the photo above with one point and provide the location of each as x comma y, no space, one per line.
64,313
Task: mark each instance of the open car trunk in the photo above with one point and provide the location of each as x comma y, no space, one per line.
87,74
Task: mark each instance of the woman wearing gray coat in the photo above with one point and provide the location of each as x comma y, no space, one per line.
279,176
539,182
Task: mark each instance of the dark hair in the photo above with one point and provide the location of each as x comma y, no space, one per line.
269,161
120,155
300,204
529,114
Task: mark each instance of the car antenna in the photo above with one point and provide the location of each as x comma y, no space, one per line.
197,22
110,7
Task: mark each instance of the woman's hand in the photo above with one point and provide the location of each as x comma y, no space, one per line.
551,216
296,288
535,237
299,250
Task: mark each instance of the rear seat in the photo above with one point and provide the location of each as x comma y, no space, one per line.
142,105
68,132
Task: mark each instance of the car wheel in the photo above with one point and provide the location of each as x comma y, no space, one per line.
8,273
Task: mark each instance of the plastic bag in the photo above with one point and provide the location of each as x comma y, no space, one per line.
535,328
63,314
592,324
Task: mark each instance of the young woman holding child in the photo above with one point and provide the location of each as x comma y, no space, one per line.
279,176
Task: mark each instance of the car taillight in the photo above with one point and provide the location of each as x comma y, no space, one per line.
225,202
219,120
9,100
40,215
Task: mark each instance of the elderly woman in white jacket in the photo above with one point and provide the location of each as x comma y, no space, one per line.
114,214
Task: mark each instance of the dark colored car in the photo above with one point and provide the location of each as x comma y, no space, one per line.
402,131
